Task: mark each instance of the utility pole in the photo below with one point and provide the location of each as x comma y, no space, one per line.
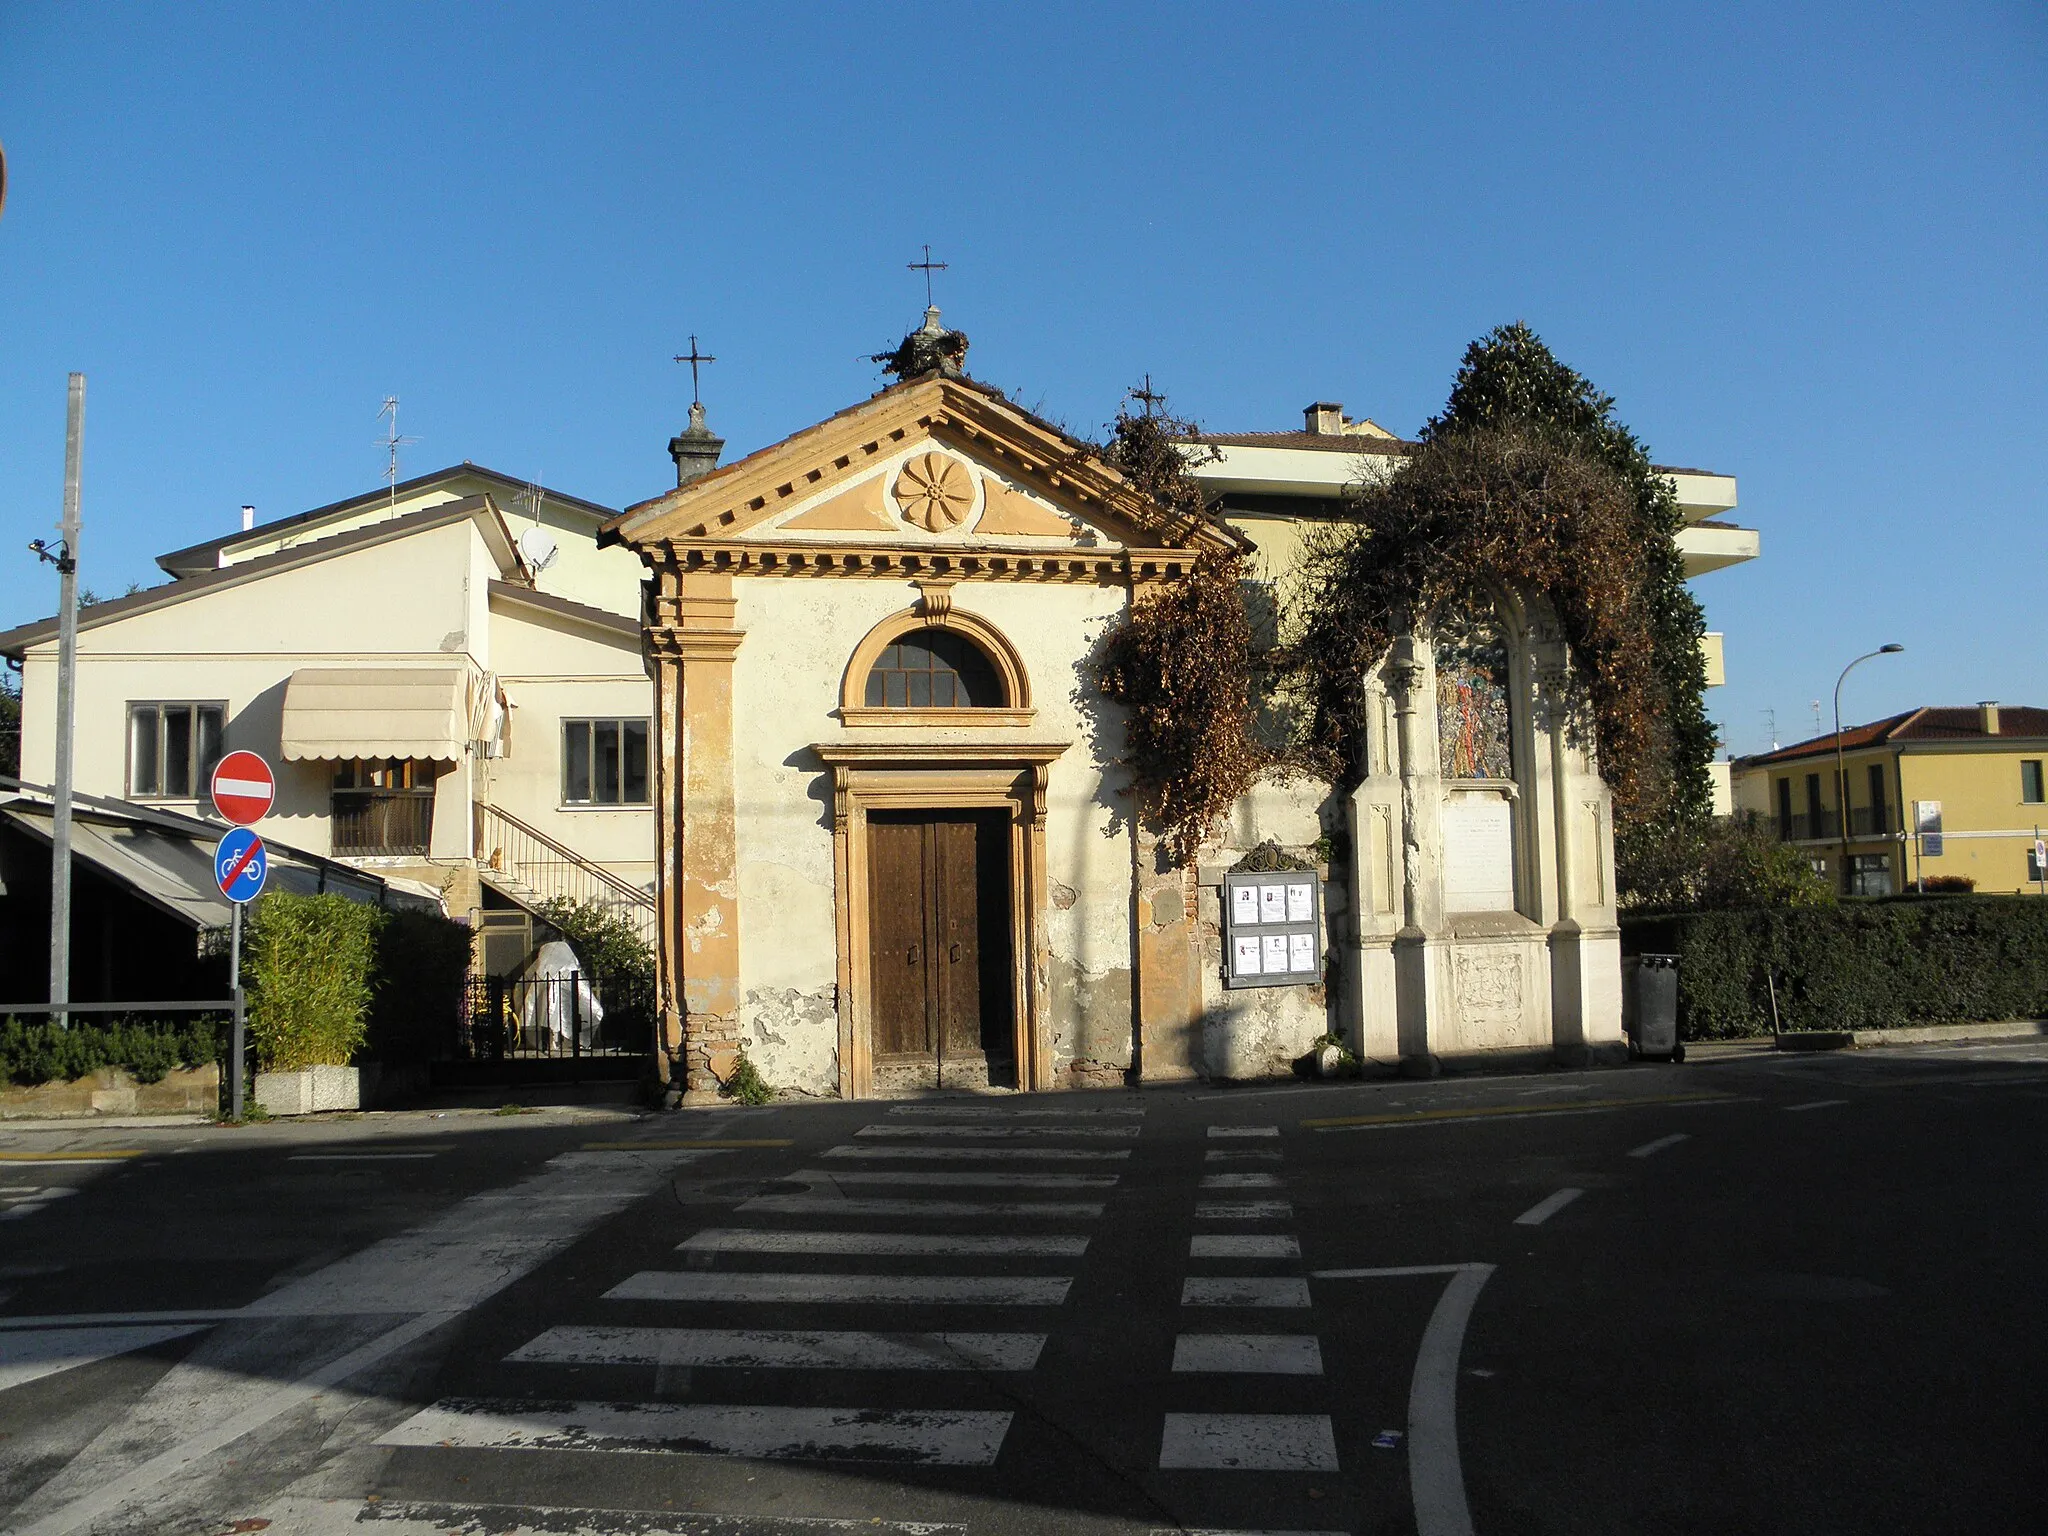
67,703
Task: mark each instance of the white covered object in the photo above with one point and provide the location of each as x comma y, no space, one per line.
546,1009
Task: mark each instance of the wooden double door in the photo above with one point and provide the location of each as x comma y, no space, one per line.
939,949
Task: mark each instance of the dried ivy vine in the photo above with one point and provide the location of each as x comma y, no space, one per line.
1180,661
1526,483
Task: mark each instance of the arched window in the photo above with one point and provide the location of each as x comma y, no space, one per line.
933,668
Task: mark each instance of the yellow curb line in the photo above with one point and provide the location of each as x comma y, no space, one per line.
1417,1117
94,1155
679,1146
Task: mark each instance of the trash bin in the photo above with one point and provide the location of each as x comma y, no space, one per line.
1653,1022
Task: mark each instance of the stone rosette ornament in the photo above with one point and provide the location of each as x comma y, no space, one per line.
935,492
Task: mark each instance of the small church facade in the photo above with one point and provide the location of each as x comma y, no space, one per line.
895,850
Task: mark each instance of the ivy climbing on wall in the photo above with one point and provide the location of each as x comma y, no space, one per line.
1180,659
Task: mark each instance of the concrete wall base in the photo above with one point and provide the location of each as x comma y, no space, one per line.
111,1091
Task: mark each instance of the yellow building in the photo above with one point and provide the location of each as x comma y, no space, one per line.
1932,792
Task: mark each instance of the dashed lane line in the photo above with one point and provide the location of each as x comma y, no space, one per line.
925,1179
731,1145
1652,1148
886,1153
1000,1132
1547,1207
1793,1109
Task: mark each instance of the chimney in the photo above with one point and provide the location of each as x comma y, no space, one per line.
1987,716
248,518
1325,418
695,450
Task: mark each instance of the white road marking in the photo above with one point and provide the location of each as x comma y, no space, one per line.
965,1113
1793,1109
950,1439
979,1154
1218,1132
923,1179
112,1494
1243,1181
479,1246
826,1205
1270,1354
1243,1210
360,1157
1003,1132
930,1290
1249,1442
1205,1530
412,1517
780,1349
118,1319
1389,1272
28,1205
1244,1291
941,1244
1267,1245
1547,1207
1652,1148
26,1356
1241,1155
1436,1478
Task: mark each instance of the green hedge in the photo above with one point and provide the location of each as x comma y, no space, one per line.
43,1053
1861,965
327,977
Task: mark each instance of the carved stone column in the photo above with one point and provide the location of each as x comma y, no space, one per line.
1416,958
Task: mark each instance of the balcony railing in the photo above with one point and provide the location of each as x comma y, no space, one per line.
369,822
1864,821
537,867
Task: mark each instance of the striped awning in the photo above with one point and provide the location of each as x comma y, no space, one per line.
341,713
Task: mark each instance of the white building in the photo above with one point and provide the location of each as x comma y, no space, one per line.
445,674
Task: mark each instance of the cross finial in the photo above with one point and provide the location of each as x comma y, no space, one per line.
927,267
693,357
1146,397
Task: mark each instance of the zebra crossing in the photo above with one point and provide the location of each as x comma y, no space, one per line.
966,1218
792,1304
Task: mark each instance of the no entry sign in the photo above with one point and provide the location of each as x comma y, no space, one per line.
239,865
243,788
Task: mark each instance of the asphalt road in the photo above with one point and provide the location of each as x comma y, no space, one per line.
1764,1294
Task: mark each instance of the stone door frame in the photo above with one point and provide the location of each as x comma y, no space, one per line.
935,776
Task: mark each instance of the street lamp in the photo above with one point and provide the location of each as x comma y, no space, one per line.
1842,773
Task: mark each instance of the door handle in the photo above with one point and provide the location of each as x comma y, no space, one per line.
956,954
912,959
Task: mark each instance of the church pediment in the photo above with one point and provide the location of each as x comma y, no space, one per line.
933,463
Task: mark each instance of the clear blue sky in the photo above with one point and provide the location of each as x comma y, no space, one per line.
1802,244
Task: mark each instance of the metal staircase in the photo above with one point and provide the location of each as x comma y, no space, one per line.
526,865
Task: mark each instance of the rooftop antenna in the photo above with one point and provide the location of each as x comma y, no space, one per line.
391,442
1816,717
927,267
1771,727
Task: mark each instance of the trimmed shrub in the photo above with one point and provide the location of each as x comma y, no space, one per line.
307,963
43,1053
422,972
1861,965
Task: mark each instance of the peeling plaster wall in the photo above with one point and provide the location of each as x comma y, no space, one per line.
1087,833
1261,1031
786,685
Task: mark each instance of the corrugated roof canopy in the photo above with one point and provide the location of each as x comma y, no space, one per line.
343,713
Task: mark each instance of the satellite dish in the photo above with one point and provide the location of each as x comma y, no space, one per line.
538,549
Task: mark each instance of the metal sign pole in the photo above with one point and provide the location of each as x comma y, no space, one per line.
235,1061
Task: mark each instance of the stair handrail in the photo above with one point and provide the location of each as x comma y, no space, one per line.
597,872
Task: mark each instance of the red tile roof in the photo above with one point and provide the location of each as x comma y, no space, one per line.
2018,722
